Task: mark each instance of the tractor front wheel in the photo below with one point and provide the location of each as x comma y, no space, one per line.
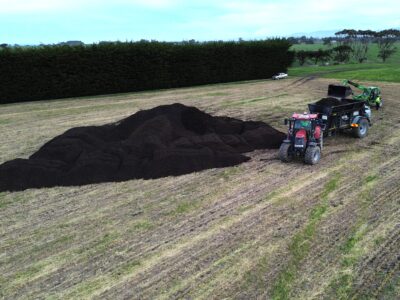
312,156
284,152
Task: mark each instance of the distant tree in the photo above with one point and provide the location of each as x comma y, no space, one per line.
319,55
327,41
293,40
325,55
302,56
345,35
365,38
193,42
386,39
358,40
3,46
305,40
342,53
310,41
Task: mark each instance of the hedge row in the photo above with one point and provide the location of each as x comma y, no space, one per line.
62,71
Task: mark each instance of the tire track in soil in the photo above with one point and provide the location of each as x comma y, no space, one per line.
298,192
147,246
247,229
325,256
378,268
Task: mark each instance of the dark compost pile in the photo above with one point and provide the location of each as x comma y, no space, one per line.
163,141
330,101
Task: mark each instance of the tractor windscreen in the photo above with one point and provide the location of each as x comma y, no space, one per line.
302,124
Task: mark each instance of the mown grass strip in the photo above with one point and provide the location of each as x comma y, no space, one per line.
342,284
392,289
33,271
254,278
300,245
85,289
204,289
229,172
143,225
10,199
251,100
5,121
184,208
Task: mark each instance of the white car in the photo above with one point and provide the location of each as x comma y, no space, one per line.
279,76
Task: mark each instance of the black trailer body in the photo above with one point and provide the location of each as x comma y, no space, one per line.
348,114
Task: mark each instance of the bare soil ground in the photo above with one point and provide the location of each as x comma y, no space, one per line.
262,229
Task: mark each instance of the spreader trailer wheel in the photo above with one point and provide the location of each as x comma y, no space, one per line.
360,130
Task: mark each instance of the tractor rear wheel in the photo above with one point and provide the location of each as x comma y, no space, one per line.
362,130
312,156
284,152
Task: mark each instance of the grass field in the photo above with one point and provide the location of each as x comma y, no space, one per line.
263,229
372,54
372,69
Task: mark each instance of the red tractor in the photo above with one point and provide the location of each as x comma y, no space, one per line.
304,139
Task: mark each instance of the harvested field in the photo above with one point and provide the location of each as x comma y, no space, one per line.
259,229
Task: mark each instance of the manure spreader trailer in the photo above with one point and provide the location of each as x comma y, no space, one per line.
325,117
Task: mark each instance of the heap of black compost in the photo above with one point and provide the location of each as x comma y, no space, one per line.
330,101
163,141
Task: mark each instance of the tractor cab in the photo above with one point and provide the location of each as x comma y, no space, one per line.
305,134
374,92
302,124
307,125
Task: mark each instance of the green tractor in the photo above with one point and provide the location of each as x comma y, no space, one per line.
370,94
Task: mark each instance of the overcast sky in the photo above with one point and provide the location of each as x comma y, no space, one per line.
53,21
